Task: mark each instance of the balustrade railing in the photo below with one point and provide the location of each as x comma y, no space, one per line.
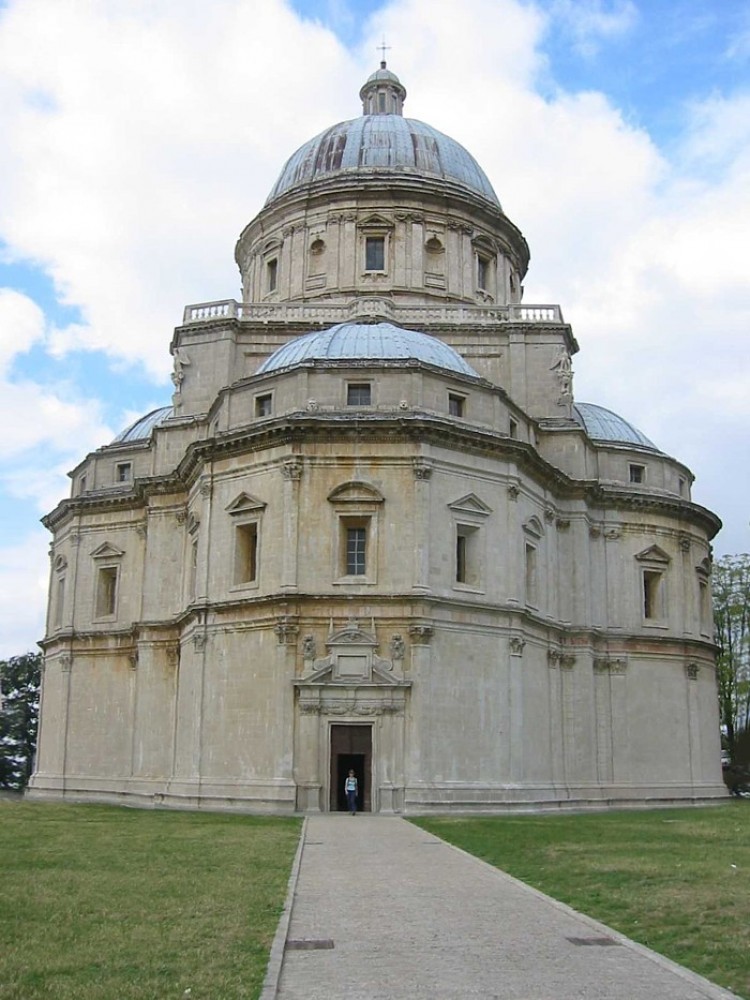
370,308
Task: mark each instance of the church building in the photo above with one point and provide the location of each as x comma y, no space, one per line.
374,529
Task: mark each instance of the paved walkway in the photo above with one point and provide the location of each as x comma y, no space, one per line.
382,910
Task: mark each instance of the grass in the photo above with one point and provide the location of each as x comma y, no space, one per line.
676,880
101,903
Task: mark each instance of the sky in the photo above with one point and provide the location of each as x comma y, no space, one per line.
140,137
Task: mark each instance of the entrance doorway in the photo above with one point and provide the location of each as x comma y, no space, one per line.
351,749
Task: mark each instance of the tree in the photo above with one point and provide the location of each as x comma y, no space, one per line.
20,680
731,593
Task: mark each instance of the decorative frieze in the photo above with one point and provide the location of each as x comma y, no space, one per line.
286,630
610,664
516,645
420,634
398,647
513,491
308,648
422,469
292,470
200,640
556,658
691,671
66,662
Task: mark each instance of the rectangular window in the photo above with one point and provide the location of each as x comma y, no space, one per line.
356,549
531,588
513,428
460,558
263,405
483,272
381,102
455,405
59,601
246,553
272,274
704,616
82,485
193,567
375,253
652,594
106,591
124,472
681,485
358,394
637,473
467,554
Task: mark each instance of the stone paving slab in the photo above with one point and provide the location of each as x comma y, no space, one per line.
384,911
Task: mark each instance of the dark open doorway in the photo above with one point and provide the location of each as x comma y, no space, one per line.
351,748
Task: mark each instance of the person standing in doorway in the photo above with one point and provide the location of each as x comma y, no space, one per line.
350,787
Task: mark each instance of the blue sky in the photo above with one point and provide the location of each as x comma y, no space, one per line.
140,139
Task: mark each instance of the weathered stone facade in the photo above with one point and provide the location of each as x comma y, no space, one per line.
426,562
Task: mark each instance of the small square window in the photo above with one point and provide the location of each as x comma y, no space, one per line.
375,253
456,404
124,472
358,394
272,274
263,405
637,473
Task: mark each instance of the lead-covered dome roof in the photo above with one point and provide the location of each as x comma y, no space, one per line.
604,425
387,143
143,427
367,342
383,140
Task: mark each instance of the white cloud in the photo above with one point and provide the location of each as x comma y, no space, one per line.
590,21
22,325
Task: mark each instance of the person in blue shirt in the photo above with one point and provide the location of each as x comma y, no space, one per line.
350,787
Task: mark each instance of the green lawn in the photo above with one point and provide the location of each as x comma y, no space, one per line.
675,880
101,903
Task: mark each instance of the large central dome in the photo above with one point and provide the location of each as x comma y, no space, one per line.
383,140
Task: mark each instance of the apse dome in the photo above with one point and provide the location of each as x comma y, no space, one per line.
603,425
367,342
143,427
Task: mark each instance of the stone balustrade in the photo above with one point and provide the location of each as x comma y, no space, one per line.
325,313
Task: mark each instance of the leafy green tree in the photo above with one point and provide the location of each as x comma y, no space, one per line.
731,594
20,680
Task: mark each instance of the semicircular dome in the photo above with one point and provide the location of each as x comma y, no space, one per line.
383,142
603,425
143,427
367,341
